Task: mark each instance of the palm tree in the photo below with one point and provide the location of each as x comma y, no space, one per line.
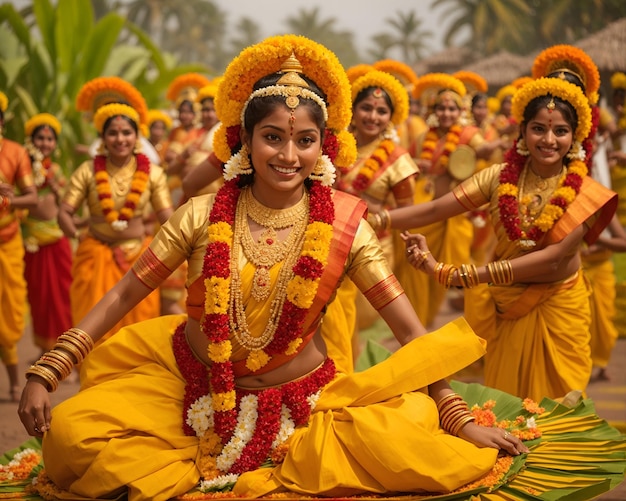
248,32
309,24
409,36
42,69
494,24
383,44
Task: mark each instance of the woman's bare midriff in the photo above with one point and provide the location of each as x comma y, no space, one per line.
313,354
136,230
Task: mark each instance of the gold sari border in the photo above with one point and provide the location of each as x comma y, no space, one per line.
150,270
384,292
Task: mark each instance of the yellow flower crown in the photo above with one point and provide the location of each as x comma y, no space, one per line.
185,87
158,115
4,102
430,85
113,110
318,63
507,90
618,80
398,69
493,105
42,119
569,58
392,86
357,71
473,81
106,90
557,88
206,92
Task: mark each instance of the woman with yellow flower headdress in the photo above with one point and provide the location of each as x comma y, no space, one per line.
384,173
247,378
48,259
17,192
182,93
535,312
159,125
446,154
118,186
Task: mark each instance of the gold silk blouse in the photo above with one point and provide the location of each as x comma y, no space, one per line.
184,237
82,188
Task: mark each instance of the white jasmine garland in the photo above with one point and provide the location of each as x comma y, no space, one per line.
233,167
244,430
221,483
287,427
119,225
325,171
200,415
313,398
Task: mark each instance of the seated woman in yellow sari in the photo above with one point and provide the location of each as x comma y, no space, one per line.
535,311
119,186
246,377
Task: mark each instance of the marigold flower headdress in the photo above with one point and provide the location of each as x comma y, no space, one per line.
392,86
558,88
567,58
159,116
473,81
208,91
504,92
113,110
398,69
429,87
357,71
618,80
318,63
39,120
4,102
185,87
106,90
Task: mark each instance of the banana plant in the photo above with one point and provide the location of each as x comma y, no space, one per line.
43,65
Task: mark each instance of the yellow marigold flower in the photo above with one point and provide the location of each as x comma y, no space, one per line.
107,203
4,102
102,176
133,197
507,189
220,352
220,232
126,212
348,151
257,359
532,406
217,295
567,192
473,81
293,346
42,119
550,214
112,110
301,291
159,116
578,167
358,70
224,401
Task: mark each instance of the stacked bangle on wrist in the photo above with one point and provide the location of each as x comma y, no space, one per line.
454,413
55,365
444,274
501,272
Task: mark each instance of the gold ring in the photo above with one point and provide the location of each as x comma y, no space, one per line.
506,435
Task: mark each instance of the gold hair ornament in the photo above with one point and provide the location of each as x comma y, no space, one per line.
113,110
39,120
557,88
392,86
291,86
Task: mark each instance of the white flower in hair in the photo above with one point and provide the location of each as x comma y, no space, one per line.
577,152
238,164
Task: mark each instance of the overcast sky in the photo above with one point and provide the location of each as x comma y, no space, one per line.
364,18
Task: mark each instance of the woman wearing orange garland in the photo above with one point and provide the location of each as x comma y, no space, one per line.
246,378
117,185
535,315
450,240
48,258
384,173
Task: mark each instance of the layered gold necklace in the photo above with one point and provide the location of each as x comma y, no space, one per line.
264,254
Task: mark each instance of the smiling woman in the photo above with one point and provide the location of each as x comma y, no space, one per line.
117,185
